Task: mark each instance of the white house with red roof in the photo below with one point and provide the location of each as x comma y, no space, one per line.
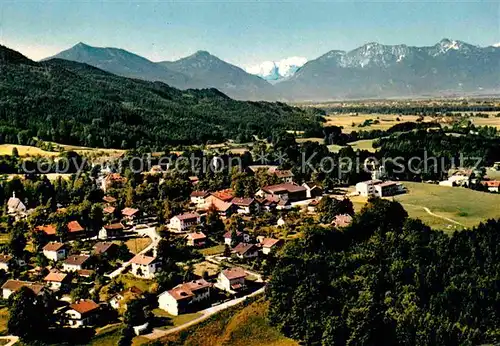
180,223
196,239
144,266
268,244
232,280
54,251
82,314
228,237
182,297
245,205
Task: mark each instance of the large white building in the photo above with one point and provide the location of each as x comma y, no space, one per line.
378,188
180,223
182,297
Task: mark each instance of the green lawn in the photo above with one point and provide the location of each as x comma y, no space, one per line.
4,318
214,250
129,280
175,321
107,336
468,207
363,144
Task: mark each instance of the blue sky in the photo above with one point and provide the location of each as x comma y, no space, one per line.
242,32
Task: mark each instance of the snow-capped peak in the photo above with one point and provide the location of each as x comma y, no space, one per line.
497,45
276,70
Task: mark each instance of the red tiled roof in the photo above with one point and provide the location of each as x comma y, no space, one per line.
228,234
109,210
234,273
199,194
269,242
53,246
492,183
14,285
47,229
224,195
188,289
76,260
285,187
74,226
55,277
243,248
342,220
219,204
130,211
197,235
84,306
142,259
109,199
244,202
114,226
187,216
85,272
103,247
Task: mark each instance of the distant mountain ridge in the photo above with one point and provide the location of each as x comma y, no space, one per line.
373,70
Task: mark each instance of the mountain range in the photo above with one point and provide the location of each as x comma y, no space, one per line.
373,70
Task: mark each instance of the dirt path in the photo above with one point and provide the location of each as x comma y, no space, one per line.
442,217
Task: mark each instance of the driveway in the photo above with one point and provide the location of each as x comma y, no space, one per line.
158,333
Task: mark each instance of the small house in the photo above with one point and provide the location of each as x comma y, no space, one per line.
241,235
12,286
54,251
246,250
56,280
232,280
183,297
5,261
196,239
111,231
131,293
75,263
180,223
82,314
145,266
269,244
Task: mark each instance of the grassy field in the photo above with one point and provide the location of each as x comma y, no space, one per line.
214,250
4,317
129,281
107,336
25,150
385,121
211,268
175,320
233,327
364,144
465,207
136,245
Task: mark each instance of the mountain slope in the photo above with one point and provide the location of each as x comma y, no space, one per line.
74,103
206,70
376,70
122,63
275,71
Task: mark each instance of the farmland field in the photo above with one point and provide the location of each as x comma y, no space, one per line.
465,207
25,150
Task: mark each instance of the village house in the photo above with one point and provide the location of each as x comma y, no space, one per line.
109,210
312,190
224,209
285,176
196,239
269,244
49,230
114,230
5,261
198,197
284,192
16,207
75,230
378,188
232,280
183,297
129,294
145,266
194,180
12,286
492,185
75,263
82,314
245,250
180,223
54,251
267,204
245,205
225,195
109,200
311,207
244,237
56,280
112,180
130,214
105,248
342,220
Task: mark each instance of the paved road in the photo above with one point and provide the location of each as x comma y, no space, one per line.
155,239
158,333
11,338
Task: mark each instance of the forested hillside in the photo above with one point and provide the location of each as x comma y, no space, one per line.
74,103
389,280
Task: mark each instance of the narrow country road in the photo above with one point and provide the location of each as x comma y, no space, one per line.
155,239
158,333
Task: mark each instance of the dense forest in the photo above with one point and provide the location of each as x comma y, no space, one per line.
73,103
388,280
